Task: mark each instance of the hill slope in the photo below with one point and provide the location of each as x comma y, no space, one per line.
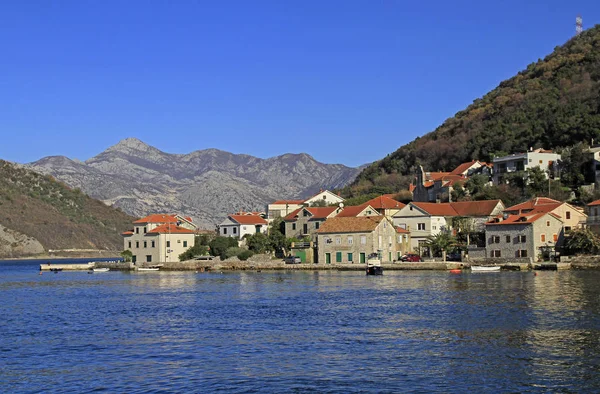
206,185
553,103
38,213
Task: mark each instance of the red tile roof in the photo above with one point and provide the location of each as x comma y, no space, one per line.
170,228
316,213
519,219
461,208
292,202
354,210
594,203
350,224
401,230
384,202
248,219
434,209
464,167
538,204
127,233
157,218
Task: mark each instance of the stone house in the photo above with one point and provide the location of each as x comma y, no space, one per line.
571,216
593,219
525,235
305,221
357,211
243,223
353,239
282,208
159,238
386,205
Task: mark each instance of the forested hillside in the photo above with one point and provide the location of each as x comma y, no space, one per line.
55,215
554,103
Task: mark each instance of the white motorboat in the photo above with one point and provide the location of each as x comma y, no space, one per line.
485,268
101,269
148,268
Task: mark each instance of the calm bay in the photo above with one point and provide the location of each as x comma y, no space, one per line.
301,331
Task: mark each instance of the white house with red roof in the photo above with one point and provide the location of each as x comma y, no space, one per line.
541,158
524,235
159,238
282,208
243,223
306,221
425,219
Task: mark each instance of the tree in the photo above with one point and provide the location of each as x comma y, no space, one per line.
464,226
258,243
219,246
277,240
441,243
582,241
537,182
127,255
197,250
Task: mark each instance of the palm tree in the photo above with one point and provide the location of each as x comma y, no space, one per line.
442,242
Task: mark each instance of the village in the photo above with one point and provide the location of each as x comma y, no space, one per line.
324,230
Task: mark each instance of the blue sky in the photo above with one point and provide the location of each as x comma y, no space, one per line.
344,81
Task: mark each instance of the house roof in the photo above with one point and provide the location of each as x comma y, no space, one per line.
593,203
248,219
350,224
385,202
316,213
127,233
401,230
520,219
539,204
157,218
353,210
170,228
464,167
461,208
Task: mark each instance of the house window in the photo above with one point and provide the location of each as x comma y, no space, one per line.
421,226
137,244
369,212
148,258
567,229
568,215
152,244
317,225
349,257
543,237
168,244
495,253
495,239
508,239
225,231
338,240
243,228
338,257
363,239
129,244
555,237
234,230
541,161
350,240
522,239
434,227
305,213
185,244
145,244
305,228
137,230
144,230
293,226
521,253
324,196
547,223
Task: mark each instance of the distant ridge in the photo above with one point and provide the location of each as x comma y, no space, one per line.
205,184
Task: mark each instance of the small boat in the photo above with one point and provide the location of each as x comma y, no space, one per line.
374,265
456,271
485,268
55,270
101,269
148,268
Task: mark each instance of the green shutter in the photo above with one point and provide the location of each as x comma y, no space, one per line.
349,256
338,257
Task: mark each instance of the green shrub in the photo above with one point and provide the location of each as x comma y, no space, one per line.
245,255
233,251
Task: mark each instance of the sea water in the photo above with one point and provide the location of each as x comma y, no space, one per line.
298,332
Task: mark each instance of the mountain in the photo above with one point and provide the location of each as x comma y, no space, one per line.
553,103
206,184
38,214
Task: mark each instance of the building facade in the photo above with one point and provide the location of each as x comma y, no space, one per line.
520,162
239,225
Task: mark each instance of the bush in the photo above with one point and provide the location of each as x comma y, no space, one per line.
245,255
234,251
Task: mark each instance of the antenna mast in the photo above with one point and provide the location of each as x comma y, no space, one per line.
578,25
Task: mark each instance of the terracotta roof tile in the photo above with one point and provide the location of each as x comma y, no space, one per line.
316,213
519,219
127,232
461,208
594,203
157,218
350,224
384,202
170,228
540,204
464,167
401,230
248,219
290,202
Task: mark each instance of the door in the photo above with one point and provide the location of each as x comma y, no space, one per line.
327,258
362,258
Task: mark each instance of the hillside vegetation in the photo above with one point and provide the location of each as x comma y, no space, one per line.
553,103
57,216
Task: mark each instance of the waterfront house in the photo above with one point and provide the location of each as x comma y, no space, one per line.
526,235
593,219
243,223
305,221
353,239
159,238
571,216
520,162
386,205
357,210
424,219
